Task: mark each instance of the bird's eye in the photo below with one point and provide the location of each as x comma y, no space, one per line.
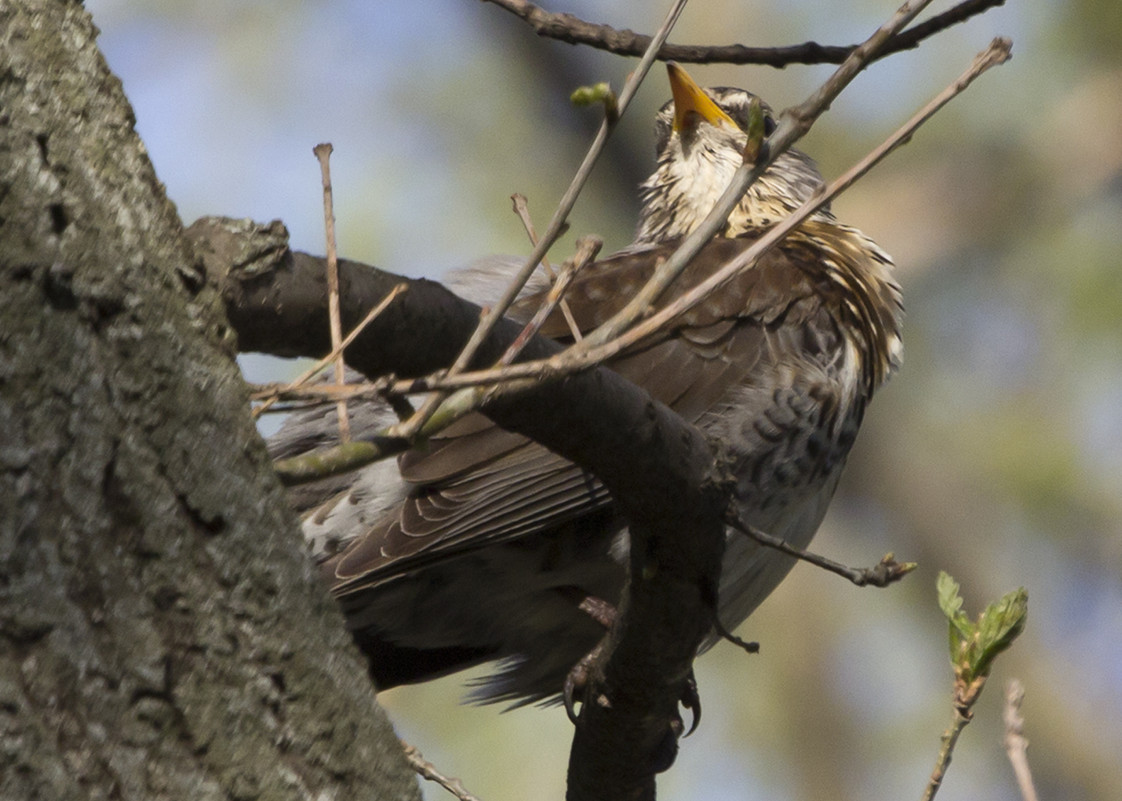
769,124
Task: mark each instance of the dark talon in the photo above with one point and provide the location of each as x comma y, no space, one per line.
691,700
577,679
567,693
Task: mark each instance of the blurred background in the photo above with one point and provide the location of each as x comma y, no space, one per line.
996,453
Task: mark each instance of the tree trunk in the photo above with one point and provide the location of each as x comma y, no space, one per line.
161,634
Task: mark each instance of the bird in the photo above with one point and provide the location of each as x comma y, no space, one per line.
479,546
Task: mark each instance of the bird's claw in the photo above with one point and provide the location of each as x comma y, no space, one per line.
691,700
577,681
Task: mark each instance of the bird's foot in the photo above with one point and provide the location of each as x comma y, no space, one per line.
667,749
576,685
691,700
576,682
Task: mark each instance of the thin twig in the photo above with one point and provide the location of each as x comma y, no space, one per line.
337,460
522,209
292,406
1016,745
426,770
885,572
946,750
964,697
323,154
335,353
280,392
571,29
553,230
587,248
748,646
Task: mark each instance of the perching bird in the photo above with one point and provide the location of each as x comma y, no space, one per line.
480,546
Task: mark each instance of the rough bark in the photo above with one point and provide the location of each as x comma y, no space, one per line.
660,470
161,633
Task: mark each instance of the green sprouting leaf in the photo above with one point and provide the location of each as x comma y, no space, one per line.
951,604
600,93
974,645
999,626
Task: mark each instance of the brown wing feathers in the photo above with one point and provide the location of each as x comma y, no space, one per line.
477,484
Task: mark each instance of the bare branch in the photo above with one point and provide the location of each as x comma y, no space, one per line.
573,30
580,358
1016,745
997,53
427,770
793,125
886,571
323,154
947,743
317,394
523,211
748,646
587,248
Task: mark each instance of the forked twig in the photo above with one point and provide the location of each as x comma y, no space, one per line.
792,125
587,248
514,377
523,211
335,353
997,53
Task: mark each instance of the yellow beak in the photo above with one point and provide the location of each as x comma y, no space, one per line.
691,103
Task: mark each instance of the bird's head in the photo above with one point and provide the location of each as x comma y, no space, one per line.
701,138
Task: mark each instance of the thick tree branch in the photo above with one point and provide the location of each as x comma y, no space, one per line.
162,635
644,453
573,30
